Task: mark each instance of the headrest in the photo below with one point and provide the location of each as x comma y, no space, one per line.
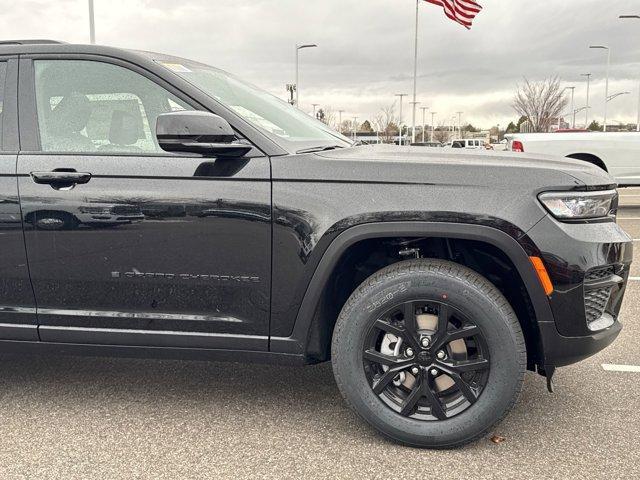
72,113
126,128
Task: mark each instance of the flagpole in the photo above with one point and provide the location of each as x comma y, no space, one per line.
415,78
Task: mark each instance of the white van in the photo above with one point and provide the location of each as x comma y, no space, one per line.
471,143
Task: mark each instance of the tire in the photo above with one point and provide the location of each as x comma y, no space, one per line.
464,294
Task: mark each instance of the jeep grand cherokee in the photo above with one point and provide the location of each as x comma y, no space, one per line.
430,279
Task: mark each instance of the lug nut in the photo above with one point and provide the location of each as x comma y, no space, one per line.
434,372
425,342
409,352
415,370
441,355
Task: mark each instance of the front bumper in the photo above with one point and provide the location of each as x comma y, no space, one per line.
589,267
560,350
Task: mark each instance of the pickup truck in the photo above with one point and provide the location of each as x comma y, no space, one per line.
615,152
431,279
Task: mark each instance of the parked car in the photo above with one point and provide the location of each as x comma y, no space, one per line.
427,144
614,152
469,143
430,279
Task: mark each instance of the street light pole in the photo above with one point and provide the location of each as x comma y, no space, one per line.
460,124
424,109
355,128
433,125
415,77
401,95
298,48
92,24
413,128
573,112
636,17
615,95
340,120
586,115
606,85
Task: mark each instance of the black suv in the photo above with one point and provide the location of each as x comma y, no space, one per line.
155,206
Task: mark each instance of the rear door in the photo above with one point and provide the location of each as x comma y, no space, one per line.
17,304
128,244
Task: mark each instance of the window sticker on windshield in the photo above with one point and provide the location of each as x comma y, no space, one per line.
176,67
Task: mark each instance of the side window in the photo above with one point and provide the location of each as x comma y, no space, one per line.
89,106
3,77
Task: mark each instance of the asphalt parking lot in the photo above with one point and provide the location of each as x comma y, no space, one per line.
67,417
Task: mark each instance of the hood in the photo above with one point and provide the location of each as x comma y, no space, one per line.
425,165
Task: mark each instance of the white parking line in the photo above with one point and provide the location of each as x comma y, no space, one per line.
621,368
634,279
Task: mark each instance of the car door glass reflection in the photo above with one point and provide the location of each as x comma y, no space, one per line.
100,214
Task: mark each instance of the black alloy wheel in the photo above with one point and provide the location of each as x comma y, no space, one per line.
429,353
434,373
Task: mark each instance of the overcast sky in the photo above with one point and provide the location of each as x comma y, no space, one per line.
365,49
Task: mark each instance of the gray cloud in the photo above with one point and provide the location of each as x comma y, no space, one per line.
365,53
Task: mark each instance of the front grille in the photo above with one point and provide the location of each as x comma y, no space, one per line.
595,302
126,210
599,273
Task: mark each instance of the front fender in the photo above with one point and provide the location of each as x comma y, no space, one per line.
517,250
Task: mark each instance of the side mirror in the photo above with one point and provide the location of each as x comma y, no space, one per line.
198,132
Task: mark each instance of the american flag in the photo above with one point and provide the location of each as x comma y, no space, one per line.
460,11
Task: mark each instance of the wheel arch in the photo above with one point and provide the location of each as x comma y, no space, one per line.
590,158
310,337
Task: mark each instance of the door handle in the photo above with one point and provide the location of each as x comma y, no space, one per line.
61,177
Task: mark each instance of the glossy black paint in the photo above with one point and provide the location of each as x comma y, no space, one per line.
570,250
184,253
342,189
516,250
17,302
195,257
198,132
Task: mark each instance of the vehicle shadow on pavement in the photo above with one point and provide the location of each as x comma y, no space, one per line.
247,390
244,395
165,383
230,417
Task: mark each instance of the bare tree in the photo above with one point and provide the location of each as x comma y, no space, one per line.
540,102
347,127
329,117
385,123
441,134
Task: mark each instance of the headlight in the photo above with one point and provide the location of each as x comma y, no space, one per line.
580,205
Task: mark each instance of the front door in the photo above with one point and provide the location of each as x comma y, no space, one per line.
128,244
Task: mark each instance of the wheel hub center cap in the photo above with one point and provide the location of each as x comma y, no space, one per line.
424,358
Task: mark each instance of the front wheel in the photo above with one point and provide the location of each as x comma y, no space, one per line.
54,221
429,353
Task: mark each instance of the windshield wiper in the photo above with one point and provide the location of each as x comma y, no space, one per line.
321,148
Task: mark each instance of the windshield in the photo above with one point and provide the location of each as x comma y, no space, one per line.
288,126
